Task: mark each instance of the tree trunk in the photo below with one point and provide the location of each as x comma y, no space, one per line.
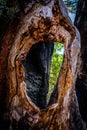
23,66
81,84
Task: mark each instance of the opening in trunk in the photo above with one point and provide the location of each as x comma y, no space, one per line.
40,79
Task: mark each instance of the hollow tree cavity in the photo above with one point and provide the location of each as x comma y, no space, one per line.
41,26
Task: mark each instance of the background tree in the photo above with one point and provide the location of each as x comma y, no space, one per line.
81,84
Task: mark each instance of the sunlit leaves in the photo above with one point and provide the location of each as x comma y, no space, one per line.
56,63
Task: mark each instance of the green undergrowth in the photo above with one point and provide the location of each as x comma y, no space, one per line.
56,63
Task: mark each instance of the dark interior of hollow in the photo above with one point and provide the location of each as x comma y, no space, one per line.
37,70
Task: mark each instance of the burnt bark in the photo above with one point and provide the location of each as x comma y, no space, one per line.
37,66
22,62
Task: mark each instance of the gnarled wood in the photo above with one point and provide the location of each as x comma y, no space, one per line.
48,23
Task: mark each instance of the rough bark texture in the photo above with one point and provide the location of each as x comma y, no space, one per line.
81,84
47,23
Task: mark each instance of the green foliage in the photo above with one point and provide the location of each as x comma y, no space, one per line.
5,9
3,2
2,6
56,63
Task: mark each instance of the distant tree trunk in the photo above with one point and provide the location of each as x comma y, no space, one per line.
81,84
23,67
